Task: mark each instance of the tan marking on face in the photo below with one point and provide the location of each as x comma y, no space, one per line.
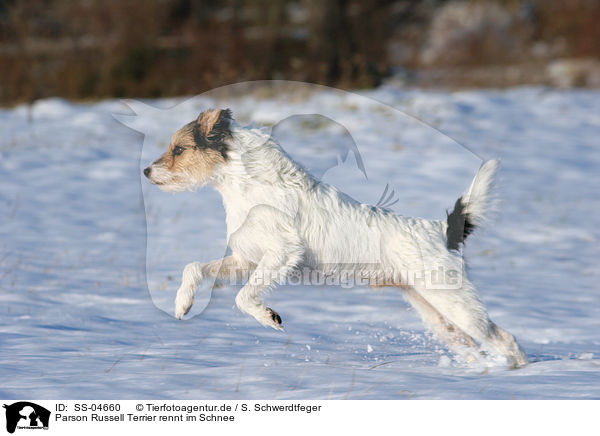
199,164
192,168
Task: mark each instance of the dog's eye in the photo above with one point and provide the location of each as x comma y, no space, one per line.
178,150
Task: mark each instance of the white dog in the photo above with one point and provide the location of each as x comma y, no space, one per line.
280,219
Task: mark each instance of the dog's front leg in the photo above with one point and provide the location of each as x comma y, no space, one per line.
229,268
272,268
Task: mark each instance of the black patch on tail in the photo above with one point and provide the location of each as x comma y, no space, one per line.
459,226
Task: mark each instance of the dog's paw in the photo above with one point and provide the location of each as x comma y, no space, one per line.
183,301
273,319
518,360
264,315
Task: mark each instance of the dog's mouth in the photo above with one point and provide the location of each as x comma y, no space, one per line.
154,182
168,181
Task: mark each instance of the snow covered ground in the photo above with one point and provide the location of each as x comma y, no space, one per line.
91,254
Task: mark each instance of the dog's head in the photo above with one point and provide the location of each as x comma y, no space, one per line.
194,153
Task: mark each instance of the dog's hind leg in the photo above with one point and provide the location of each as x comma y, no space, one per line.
231,268
462,307
456,339
507,344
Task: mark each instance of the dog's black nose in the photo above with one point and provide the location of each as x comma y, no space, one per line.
147,171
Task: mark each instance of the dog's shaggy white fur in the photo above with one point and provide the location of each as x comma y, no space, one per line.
281,219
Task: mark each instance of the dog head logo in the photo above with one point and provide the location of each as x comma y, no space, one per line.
26,415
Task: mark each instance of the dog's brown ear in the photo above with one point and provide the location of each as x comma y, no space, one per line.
214,123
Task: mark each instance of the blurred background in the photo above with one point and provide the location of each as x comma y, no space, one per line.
137,48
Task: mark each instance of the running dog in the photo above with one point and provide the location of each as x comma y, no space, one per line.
281,219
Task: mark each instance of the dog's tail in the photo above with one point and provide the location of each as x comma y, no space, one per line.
471,209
